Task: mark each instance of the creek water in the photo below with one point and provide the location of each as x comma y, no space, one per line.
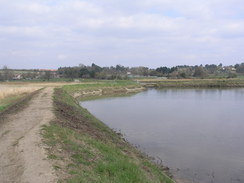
197,133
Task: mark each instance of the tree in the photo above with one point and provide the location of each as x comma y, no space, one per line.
69,72
96,68
163,70
47,75
84,73
211,68
240,68
200,72
142,71
1,77
7,73
232,75
220,65
121,69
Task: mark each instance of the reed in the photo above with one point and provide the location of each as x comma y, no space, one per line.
9,91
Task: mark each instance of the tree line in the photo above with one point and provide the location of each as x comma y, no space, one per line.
7,74
121,72
177,72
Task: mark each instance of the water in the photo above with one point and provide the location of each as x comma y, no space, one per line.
198,133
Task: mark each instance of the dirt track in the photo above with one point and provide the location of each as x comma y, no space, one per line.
22,155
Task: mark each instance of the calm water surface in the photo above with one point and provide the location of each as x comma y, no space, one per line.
198,133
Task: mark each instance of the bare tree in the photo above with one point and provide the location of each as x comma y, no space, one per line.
47,75
1,77
7,73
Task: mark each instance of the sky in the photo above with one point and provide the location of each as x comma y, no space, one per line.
54,33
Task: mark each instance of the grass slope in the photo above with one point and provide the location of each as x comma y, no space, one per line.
5,103
196,83
83,149
96,84
11,94
12,104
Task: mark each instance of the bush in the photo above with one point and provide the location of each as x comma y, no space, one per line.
232,75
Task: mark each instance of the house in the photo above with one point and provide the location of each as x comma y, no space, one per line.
17,77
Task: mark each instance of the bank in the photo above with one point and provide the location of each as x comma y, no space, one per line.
83,149
192,83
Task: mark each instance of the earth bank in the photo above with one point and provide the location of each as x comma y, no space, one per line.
83,149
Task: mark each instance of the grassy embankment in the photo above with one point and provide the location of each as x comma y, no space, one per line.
83,149
193,83
93,89
11,94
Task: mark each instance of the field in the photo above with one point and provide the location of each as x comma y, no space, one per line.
12,91
10,94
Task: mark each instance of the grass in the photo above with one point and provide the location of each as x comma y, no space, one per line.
102,89
95,84
10,90
11,94
5,103
83,149
93,160
207,83
240,77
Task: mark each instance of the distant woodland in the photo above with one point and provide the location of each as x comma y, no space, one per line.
121,72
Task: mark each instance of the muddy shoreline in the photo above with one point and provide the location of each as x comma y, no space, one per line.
106,92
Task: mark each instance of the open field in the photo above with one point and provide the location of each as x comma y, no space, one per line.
34,84
10,91
10,94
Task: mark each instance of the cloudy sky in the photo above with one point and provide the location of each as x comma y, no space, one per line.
152,33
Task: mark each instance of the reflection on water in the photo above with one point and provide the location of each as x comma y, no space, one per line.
198,133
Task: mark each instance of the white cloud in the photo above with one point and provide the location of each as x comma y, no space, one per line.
147,22
62,57
37,8
122,32
28,31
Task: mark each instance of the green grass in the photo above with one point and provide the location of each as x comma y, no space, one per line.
240,77
16,102
3,107
207,83
83,149
96,84
7,102
93,160
110,88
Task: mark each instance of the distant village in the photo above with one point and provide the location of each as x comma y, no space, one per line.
7,74
121,72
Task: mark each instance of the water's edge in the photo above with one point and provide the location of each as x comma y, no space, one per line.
200,93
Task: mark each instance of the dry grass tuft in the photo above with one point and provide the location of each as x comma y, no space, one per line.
9,91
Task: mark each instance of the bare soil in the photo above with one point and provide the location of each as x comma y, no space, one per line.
23,157
77,119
